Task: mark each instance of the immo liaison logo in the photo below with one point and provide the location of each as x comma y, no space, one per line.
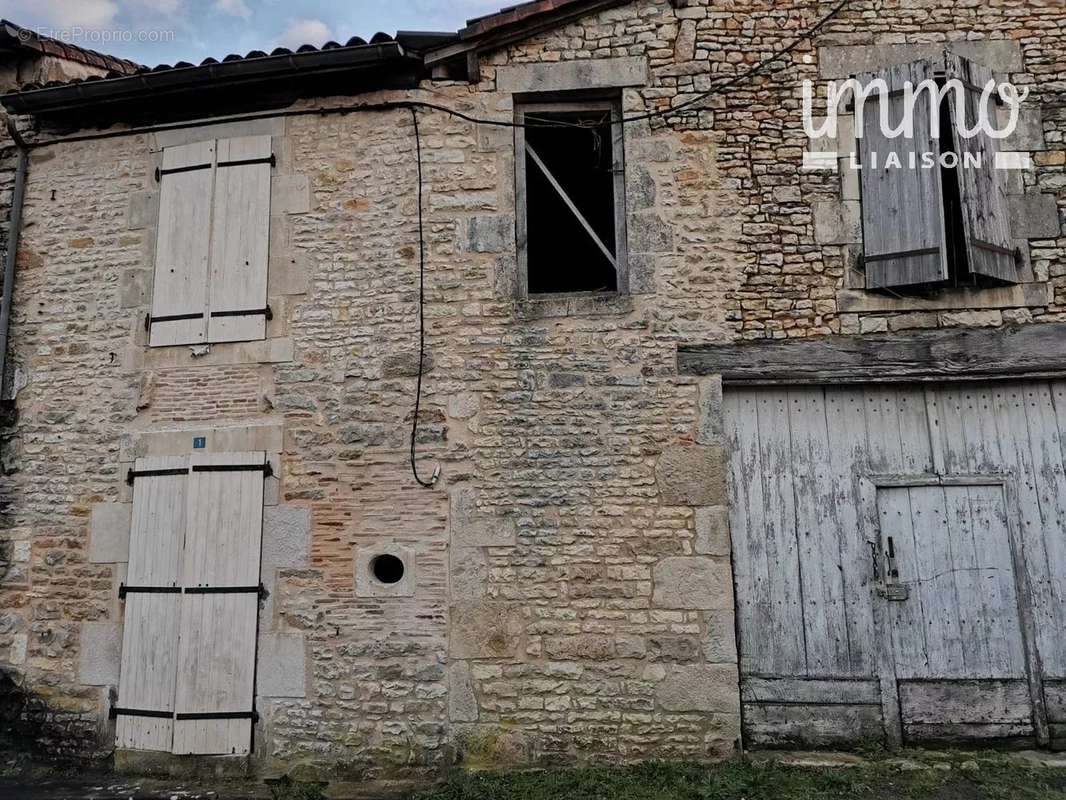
909,119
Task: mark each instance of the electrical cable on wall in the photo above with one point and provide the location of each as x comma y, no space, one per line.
421,314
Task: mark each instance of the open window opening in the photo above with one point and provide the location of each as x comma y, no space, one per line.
954,227
571,233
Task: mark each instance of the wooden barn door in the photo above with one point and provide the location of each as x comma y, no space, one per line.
952,610
899,562
192,603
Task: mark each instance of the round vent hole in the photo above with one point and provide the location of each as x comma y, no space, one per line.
387,568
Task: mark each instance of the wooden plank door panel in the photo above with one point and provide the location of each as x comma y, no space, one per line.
182,245
216,657
150,631
902,212
239,240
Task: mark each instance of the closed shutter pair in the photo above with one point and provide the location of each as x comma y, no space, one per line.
212,242
908,238
187,678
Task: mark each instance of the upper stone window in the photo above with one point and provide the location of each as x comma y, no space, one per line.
570,197
934,205
211,246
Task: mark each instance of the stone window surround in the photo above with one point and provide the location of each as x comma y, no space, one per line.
1033,215
287,271
611,105
527,81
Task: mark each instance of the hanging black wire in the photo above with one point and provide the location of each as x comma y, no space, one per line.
421,311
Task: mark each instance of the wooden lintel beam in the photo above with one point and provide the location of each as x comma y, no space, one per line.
912,356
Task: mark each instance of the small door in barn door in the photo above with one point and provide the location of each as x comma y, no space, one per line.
952,608
220,605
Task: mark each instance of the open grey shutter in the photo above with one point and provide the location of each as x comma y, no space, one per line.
902,210
240,235
152,605
986,223
179,295
220,606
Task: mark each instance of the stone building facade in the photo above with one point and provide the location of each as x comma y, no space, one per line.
568,593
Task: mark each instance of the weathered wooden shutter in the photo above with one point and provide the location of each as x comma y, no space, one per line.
220,606
179,296
152,597
986,223
902,208
240,235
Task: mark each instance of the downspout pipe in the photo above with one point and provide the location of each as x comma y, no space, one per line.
14,228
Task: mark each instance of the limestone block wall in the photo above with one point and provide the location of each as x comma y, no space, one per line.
568,595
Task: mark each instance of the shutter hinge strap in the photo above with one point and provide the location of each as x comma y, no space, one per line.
259,590
265,468
117,711
149,320
245,162
266,311
922,251
132,475
252,715
159,173
124,590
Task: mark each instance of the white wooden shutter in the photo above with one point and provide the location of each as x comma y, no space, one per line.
986,223
240,235
902,209
179,295
150,632
216,658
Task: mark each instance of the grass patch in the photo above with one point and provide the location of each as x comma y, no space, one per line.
288,789
914,777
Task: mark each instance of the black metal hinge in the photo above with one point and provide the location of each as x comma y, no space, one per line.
149,320
117,711
266,311
265,468
132,475
124,590
159,172
253,715
271,160
259,590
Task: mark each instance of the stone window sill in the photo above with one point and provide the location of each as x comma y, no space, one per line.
578,304
1023,295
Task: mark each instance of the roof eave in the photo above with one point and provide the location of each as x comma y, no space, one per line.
68,97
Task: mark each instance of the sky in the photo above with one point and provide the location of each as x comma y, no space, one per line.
165,31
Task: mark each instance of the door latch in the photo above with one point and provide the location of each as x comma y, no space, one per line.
892,589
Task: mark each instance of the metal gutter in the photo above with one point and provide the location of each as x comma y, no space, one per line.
13,230
186,79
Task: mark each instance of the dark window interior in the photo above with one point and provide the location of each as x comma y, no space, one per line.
561,256
958,264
